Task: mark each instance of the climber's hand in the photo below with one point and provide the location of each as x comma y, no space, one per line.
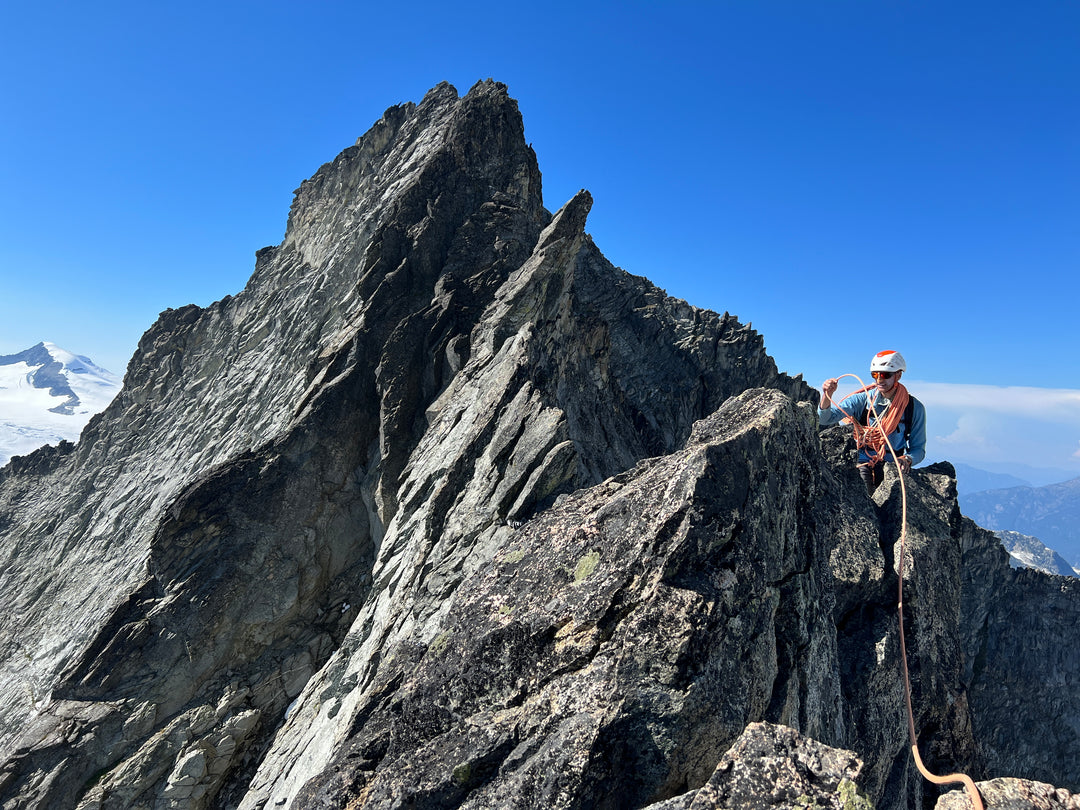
828,388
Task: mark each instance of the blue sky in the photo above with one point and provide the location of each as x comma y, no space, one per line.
847,176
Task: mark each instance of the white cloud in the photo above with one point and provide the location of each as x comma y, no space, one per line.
1001,424
1056,405
971,434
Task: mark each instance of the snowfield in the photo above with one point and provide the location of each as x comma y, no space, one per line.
48,394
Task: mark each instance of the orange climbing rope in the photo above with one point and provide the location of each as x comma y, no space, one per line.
874,438
953,778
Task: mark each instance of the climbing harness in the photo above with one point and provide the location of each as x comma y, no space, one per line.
953,778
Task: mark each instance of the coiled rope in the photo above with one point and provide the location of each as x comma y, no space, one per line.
952,778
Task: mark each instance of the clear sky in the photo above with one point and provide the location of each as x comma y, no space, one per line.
847,175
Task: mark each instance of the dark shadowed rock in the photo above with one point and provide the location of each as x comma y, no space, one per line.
1021,663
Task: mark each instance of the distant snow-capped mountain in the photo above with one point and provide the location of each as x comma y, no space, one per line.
1026,551
1050,513
48,394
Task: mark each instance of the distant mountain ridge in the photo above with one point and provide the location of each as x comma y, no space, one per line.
1050,513
47,395
1003,475
972,479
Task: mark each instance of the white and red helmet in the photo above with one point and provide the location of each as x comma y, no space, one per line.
888,360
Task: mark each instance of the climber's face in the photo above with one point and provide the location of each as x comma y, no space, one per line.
885,380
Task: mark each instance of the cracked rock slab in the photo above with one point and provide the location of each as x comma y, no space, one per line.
1013,794
773,766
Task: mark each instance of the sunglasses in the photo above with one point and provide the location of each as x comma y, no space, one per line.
882,375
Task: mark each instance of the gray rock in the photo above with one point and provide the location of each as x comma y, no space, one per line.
1013,794
775,767
1022,664
218,529
615,645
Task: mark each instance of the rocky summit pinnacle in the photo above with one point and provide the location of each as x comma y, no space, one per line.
443,510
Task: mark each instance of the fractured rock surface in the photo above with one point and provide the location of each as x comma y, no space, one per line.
1013,794
775,767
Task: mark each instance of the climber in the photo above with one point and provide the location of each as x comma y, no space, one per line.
884,408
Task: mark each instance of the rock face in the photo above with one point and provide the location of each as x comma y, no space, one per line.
1022,663
443,510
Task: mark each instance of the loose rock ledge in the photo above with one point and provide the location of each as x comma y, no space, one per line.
1013,794
773,766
